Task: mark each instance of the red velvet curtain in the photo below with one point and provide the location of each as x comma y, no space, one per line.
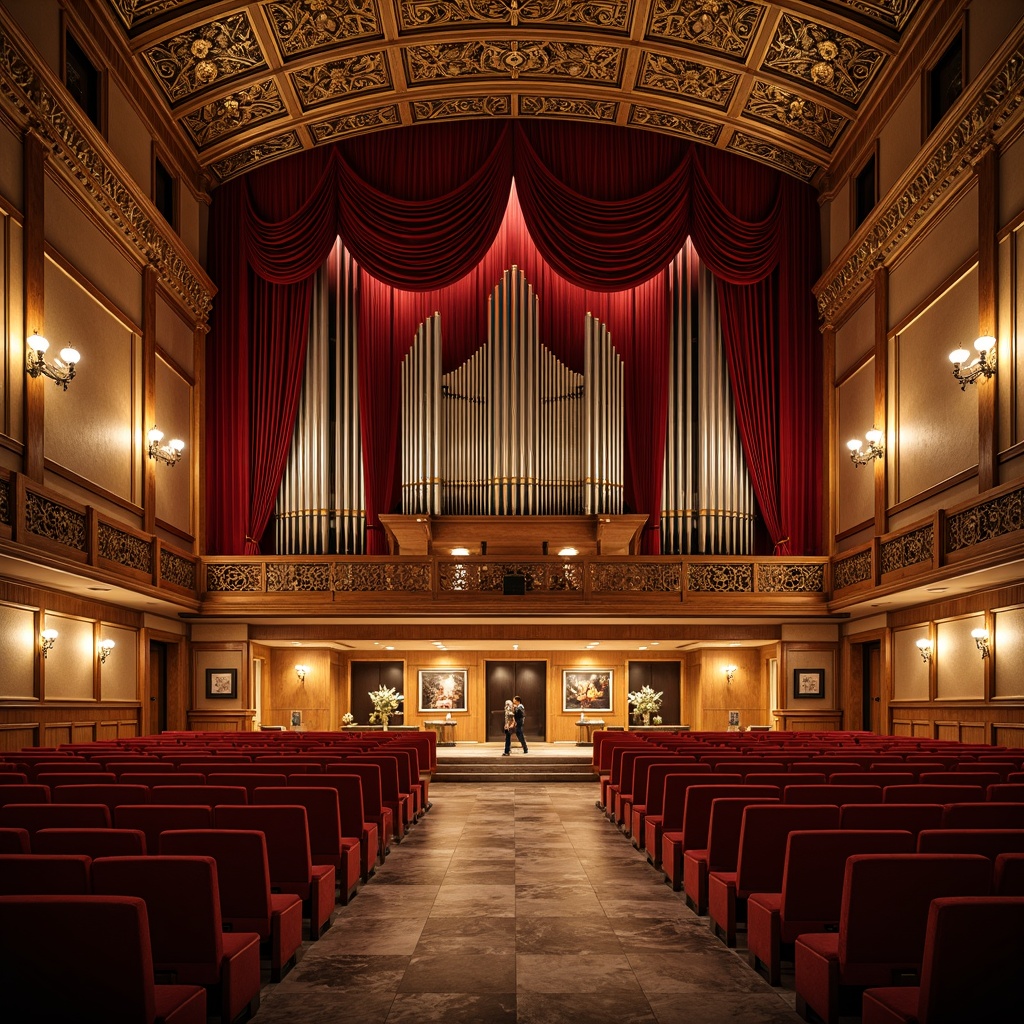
419,208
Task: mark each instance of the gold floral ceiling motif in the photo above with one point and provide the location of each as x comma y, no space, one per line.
243,83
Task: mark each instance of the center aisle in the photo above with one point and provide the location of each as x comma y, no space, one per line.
519,903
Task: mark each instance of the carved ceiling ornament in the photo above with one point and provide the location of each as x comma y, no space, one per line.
234,113
561,106
262,152
133,13
777,106
515,58
462,107
677,77
355,124
823,58
891,13
728,27
770,153
607,15
675,124
304,26
337,79
205,56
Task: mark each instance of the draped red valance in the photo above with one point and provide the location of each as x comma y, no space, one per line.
606,208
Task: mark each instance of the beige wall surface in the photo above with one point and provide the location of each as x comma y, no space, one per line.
69,665
10,167
128,137
838,211
174,417
989,25
1011,181
960,669
855,406
1009,653
900,139
119,676
174,336
12,317
910,673
855,337
19,646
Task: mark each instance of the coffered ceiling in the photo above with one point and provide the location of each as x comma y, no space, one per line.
247,83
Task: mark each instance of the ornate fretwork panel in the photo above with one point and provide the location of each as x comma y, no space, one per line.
554,106
205,57
823,58
907,549
794,578
412,577
125,548
607,15
664,578
675,124
987,521
339,79
55,522
721,577
181,572
355,124
235,577
235,113
770,153
462,106
306,26
5,502
777,106
246,159
847,572
725,27
688,79
890,13
517,58
298,576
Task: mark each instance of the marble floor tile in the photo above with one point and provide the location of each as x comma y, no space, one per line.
561,934
467,935
461,972
453,1008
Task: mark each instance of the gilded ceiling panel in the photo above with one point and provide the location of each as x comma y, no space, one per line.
689,79
206,56
769,152
892,13
774,105
307,26
565,107
133,13
518,58
462,107
342,127
338,79
235,112
603,15
822,58
262,152
725,27
675,124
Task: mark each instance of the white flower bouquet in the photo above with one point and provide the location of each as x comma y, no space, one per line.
348,718
385,704
646,702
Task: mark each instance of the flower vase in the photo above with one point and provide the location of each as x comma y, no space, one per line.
384,722
647,718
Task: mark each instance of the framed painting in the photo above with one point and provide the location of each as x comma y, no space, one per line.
222,683
443,689
808,682
587,689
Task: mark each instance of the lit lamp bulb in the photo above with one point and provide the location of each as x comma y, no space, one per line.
105,647
924,645
981,641
61,371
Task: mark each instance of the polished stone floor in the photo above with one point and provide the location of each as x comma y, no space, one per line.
519,903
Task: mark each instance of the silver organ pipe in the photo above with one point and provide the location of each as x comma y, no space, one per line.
515,431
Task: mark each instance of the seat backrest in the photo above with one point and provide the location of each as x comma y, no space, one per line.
830,793
886,897
14,840
676,785
390,785
29,793
373,792
764,832
657,774
323,817
815,864
209,795
93,842
971,971
987,814
40,874
248,780
745,768
79,978
171,778
989,842
55,779
642,771
152,819
912,817
243,874
725,826
826,767
286,829
111,794
350,799
697,808
785,779
960,778
870,777
1008,875
33,817
920,793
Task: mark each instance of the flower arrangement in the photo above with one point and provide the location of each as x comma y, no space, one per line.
385,704
348,718
646,702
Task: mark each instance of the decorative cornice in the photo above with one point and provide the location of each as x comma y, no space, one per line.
28,90
462,106
606,15
932,176
562,106
675,124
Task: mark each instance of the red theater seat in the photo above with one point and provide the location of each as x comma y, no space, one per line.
26,793
14,840
911,817
1008,875
93,842
835,794
33,817
152,819
983,815
80,979
989,842
38,874
209,795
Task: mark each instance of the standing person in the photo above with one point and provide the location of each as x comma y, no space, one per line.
519,714
510,724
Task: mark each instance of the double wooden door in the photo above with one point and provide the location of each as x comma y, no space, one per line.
504,679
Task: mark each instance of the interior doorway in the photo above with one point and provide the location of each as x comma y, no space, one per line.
371,675
871,685
156,707
504,679
663,677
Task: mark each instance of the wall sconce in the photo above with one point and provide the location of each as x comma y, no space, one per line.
862,456
460,552
981,640
984,365
300,671
568,552
105,647
47,639
924,645
61,371
730,672
169,453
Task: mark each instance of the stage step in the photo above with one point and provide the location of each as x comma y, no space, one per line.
518,767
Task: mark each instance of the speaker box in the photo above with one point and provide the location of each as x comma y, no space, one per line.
513,583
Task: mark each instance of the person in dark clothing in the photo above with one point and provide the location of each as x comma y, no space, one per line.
519,712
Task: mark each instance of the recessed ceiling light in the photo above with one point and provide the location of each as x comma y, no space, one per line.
515,647
735,644
655,643
642,648
389,648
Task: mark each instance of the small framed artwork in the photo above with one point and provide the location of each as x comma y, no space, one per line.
734,719
222,683
296,719
808,682
587,689
443,689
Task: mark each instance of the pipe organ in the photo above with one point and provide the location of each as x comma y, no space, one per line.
513,430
